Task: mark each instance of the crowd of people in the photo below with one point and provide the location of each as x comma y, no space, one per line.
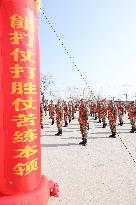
63,112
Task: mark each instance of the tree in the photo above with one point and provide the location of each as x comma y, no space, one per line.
45,82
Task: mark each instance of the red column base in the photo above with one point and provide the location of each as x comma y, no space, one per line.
39,196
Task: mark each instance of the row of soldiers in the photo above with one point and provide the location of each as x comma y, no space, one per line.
114,111
100,110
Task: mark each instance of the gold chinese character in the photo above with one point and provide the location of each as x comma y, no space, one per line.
25,169
25,120
16,70
25,136
30,40
19,169
29,88
29,24
26,152
17,88
31,166
27,104
15,54
17,21
23,88
25,55
16,37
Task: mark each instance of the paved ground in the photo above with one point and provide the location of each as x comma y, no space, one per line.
103,173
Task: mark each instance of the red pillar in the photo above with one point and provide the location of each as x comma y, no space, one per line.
20,153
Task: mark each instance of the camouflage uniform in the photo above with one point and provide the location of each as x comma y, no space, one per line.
103,114
49,109
73,111
95,110
52,112
65,109
91,109
121,111
69,112
112,116
59,118
132,116
83,118
46,107
76,106
98,111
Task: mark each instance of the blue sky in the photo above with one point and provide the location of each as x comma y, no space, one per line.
101,37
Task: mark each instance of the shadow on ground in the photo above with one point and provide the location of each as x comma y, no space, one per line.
87,138
59,145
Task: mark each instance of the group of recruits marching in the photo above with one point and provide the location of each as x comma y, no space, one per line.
65,112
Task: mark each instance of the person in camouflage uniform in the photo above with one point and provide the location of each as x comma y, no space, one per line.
98,110
52,112
69,112
103,114
59,118
76,106
91,109
73,111
95,111
121,111
65,109
132,116
41,115
49,108
83,119
112,116
45,106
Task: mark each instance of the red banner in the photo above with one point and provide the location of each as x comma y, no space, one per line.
20,156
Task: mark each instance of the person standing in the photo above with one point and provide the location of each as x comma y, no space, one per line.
132,116
69,112
91,109
52,112
65,109
121,112
95,111
98,110
59,118
83,118
103,114
73,111
45,107
112,116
